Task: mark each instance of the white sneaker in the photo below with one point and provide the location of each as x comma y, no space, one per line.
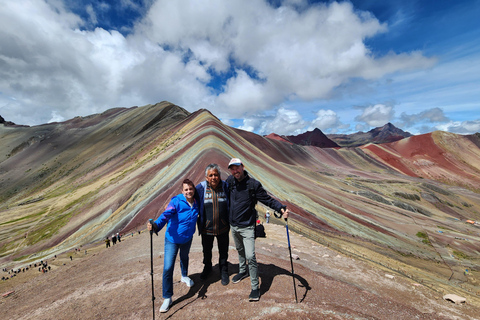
187,281
166,305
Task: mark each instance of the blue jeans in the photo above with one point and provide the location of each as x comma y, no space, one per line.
171,250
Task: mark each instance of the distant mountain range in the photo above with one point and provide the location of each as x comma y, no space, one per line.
387,133
316,138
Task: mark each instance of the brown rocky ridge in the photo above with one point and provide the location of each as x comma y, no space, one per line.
385,134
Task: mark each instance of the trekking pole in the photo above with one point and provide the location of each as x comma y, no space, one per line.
291,261
151,272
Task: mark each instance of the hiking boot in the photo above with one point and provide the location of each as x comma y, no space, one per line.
206,271
254,295
225,278
166,305
187,281
239,277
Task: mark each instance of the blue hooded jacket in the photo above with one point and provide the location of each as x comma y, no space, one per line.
180,218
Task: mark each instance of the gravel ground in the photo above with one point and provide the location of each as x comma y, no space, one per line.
115,283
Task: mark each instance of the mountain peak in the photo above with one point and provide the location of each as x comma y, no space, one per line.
314,138
275,136
9,123
384,134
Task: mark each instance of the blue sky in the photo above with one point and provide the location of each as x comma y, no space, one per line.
263,66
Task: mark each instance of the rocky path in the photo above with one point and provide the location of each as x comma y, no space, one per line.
115,283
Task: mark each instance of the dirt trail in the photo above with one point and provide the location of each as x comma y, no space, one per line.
115,283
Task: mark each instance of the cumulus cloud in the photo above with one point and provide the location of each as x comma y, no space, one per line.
325,120
50,63
376,115
264,54
461,127
283,122
291,54
92,14
431,115
243,95
251,124
56,117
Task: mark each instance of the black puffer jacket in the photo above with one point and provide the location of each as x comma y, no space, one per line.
243,197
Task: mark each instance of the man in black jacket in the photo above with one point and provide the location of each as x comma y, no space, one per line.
245,191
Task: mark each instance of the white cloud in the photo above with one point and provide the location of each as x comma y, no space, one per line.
430,115
326,119
48,63
92,15
285,122
250,124
361,127
377,115
295,55
243,95
278,54
56,117
461,127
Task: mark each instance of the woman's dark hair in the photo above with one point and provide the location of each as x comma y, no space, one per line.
190,183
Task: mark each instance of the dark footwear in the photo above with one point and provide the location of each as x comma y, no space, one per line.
239,277
254,295
225,278
206,271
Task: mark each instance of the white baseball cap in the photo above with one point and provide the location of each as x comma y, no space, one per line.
235,162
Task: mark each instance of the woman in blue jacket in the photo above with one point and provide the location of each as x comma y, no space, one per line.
180,216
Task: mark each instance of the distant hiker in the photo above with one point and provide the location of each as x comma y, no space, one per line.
213,221
180,216
245,191
107,242
118,237
114,239
267,216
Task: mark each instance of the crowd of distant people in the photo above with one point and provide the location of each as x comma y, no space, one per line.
115,238
42,267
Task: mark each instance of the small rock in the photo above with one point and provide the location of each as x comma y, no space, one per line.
389,276
454,298
295,257
7,294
